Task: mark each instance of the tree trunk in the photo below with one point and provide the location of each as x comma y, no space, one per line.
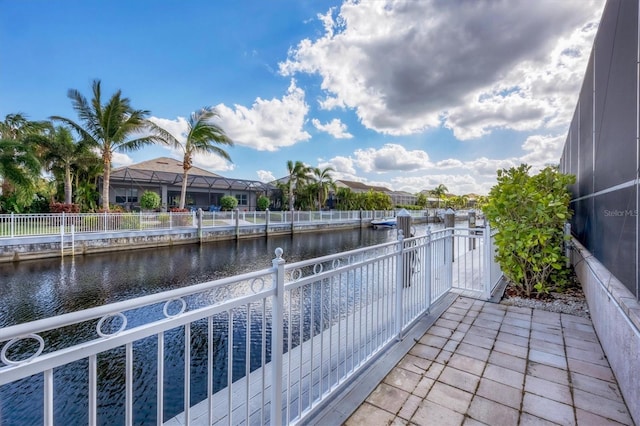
183,192
105,183
68,192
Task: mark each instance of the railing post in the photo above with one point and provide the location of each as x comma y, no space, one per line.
277,333
267,219
488,259
399,284
140,220
567,243
13,225
237,212
170,219
427,268
104,221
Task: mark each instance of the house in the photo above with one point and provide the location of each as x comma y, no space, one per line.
397,197
164,176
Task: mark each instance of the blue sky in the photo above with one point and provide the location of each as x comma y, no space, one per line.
406,94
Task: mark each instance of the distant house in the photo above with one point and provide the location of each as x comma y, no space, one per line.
164,176
397,197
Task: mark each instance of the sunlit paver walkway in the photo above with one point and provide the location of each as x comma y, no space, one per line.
484,363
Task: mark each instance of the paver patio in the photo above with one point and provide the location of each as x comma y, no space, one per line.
486,363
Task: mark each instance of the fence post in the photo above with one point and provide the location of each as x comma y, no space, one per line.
13,225
170,219
567,243
277,333
237,212
427,268
267,219
399,283
488,259
140,220
104,222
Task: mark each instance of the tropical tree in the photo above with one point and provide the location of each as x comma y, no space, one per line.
345,199
202,137
298,176
439,192
19,165
323,184
108,127
62,156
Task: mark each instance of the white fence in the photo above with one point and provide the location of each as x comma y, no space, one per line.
311,325
32,225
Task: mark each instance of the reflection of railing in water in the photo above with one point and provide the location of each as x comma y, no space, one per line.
178,352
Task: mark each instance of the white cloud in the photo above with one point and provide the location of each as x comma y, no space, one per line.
269,124
405,66
335,128
542,150
119,159
390,157
265,176
340,164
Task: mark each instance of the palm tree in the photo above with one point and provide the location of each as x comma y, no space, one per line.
439,192
324,183
62,155
18,164
202,136
108,128
298,176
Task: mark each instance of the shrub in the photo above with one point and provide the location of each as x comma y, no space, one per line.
263,203
529,213
228,203
64,208
149,200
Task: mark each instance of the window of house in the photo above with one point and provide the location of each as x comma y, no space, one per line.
242,199
126,195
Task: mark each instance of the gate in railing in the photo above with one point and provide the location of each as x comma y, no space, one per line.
207,354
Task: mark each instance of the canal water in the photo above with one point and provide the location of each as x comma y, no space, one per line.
33,290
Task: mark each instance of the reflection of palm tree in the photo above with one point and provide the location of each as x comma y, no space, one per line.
107,127
324,183
298,176
202,137
439,192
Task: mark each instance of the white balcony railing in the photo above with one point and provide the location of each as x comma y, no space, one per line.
270,345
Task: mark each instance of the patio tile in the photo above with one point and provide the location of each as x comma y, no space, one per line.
511,362
548,409
568,318
489,321
519,310
548,389
434,371
459,379
468,364
473,351
514,322
450,346
547,337
500,393
468,421
552,374
450,397
527,419
409,408
518,331
414,364
513,315
546,317
615,410
463,328
547,329
594,357
402,379
445,323
542,346
430,413
491,412
424,351
512,338
388,398
457,336
440,331
433,340
481,331
366,412
591,370
582,335
589,419
504,376
443,357
511,349
548,359
596,386
582,344
423,387
452,316
480,341
577,326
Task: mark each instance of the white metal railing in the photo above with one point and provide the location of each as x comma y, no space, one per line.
33,225
313,325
